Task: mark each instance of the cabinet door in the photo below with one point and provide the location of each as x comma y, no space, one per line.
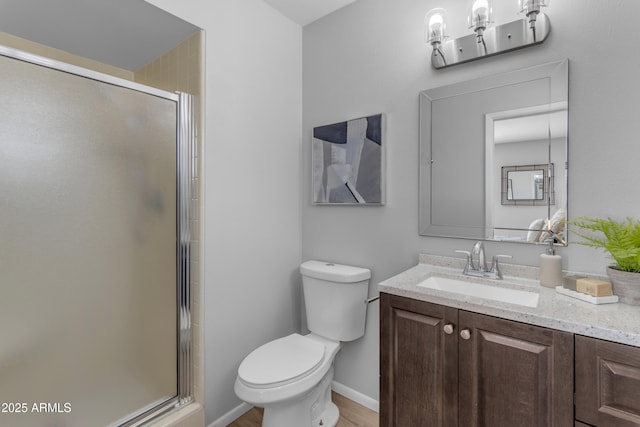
607,383
419,364
514,374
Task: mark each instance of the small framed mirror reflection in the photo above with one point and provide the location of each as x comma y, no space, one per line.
527,185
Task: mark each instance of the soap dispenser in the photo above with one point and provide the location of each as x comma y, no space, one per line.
550,267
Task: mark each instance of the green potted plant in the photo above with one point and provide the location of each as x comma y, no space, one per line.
621,239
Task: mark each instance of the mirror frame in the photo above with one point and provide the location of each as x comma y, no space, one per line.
558,74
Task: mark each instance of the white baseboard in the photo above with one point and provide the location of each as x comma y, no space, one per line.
231,416
356,396
342,389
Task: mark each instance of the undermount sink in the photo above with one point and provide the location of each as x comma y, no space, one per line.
511,296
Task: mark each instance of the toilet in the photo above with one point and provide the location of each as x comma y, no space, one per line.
291,377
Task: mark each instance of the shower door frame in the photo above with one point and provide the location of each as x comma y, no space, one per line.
185,146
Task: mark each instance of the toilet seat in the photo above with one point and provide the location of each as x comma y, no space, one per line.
281,361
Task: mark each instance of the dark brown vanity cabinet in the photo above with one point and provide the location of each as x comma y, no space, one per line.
446,367
419,364
607,383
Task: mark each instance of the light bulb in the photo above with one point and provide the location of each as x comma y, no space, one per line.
435,23
481,15
532,6
435,26
480,9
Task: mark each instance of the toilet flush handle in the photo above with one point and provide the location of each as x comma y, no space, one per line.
370,300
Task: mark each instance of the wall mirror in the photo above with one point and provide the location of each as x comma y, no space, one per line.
493,156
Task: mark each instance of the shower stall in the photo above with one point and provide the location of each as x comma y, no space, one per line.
95,176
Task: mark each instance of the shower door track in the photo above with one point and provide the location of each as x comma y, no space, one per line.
185,146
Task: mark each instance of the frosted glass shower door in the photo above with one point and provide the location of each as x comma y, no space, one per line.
87,249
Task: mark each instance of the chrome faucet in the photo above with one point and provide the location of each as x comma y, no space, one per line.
479,268
478,253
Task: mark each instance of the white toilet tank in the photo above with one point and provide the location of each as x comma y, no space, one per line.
334,297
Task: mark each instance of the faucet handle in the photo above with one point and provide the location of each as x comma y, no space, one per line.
467,253
495,268
469,265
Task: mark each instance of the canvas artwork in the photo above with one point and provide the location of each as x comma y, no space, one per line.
348,162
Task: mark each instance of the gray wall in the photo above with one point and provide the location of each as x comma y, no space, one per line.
370,57
252,190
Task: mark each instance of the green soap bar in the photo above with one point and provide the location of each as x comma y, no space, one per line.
570,282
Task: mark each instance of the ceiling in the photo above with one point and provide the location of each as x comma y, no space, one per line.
124,33
536,127
304,12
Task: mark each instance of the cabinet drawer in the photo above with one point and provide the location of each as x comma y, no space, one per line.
607,383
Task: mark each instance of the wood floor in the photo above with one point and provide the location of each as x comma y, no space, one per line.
351,415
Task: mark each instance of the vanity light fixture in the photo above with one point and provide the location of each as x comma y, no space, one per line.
436,29
488,40
480,18
531,8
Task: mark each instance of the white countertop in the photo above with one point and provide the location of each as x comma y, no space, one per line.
614,322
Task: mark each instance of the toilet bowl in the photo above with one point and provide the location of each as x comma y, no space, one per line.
291,377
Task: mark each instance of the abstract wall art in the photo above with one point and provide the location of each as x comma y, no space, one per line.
347,162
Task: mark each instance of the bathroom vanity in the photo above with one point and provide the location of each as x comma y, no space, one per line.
451,359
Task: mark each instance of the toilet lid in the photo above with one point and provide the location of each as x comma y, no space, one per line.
281,361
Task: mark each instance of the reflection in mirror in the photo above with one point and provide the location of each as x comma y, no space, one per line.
527,185
532,134
488,150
